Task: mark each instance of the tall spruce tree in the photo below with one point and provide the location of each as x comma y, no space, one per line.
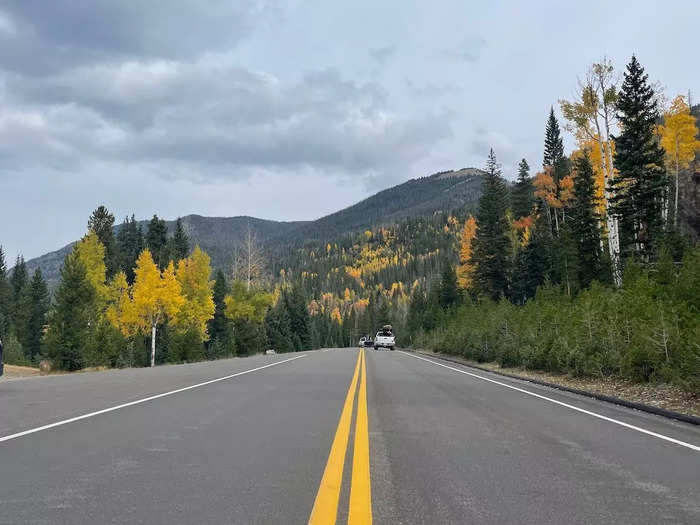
299,319
131,244
157,241
640,185
585,222
102,223
19,280
449,294
37,298
553,143
179,242
5,298
522,194
491,247
68,332
220,327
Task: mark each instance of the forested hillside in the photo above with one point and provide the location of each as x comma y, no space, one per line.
216,235
219,236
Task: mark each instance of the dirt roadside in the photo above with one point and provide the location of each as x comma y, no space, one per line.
19,372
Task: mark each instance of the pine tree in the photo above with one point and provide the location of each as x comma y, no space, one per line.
522,198
449,295
639,188
220,328
556,162
19,279
157,241
299,318
131,244
491,244
38,305
278,328
5,298
180,242
534,262
585,222
68,326
102,223
553,143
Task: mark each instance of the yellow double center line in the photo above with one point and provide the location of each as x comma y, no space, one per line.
325,508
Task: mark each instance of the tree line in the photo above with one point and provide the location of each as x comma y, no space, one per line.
142,298
581,268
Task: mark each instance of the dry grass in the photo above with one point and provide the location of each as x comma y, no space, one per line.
20,372
16,372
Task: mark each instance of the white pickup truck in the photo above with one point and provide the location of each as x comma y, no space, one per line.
385,338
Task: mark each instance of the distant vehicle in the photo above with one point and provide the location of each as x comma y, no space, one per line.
365,341
270,352
385,338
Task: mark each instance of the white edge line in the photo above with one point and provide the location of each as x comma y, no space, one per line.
139,401
572,407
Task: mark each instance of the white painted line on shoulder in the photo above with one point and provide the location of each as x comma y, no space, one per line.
567,405
139,401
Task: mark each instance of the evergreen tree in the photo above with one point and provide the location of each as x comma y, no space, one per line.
491,245
299,319
640,186
5,298
585,221
131,243
102,223
157,241
449,294
553,143
180,242
19,279
220,328
533,266
37,298
278,328
522,198
69,324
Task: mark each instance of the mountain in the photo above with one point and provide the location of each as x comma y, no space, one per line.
424,196
415,198
215,235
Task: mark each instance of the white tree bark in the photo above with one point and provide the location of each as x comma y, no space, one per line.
153,345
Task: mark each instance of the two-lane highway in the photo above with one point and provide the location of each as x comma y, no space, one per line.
388,437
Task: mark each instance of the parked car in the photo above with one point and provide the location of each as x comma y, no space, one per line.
385,338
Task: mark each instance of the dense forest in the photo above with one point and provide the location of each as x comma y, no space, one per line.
588,266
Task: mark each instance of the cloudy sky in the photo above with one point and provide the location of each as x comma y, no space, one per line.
287,109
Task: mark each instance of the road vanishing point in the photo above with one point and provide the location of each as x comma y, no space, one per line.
334,436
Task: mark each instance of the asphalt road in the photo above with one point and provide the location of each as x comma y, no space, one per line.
396,438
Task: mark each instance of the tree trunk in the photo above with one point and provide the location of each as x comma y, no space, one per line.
153,345
611,222
675,199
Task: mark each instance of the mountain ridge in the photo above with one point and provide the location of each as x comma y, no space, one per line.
421,196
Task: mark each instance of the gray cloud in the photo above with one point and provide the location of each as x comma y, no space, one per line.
382,54
41,37
211,113
468,50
